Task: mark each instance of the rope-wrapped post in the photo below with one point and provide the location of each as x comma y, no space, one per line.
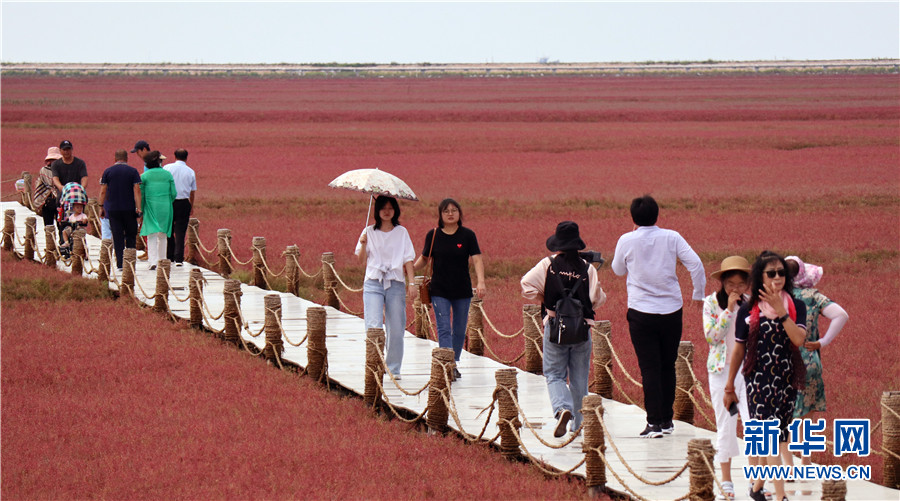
534,338
93,212
438,388
195,285
224,250
192,248
30,242
602,382
161,301
508,413
50,245
26,176
106,248
316,351
9,229
274,344
702,476
129,258
890,434
374,367
594,440
291,270
259,259
834,490
232,310
139,243
684,406
420,325
475,328
330,283
79,253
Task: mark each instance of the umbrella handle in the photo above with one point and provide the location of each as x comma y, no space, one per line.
367,213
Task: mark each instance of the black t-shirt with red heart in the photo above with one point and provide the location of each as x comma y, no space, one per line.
450,278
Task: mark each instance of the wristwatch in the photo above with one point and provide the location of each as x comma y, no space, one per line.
782,318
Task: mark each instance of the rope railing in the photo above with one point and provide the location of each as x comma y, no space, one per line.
339,279
441,399
518,333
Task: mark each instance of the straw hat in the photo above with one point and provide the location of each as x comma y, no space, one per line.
53,153
731,263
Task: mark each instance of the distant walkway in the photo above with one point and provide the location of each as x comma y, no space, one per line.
470,401
501,69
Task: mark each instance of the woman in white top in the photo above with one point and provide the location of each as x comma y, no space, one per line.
387,252
719,314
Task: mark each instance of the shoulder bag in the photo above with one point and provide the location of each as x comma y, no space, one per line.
425,288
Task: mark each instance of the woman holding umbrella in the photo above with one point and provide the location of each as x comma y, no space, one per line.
387,251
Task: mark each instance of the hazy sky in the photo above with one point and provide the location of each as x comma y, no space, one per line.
413,32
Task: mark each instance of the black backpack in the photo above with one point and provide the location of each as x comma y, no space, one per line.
569,325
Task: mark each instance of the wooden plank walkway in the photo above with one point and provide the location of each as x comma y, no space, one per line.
655,459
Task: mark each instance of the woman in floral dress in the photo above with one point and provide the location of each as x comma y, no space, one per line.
812,397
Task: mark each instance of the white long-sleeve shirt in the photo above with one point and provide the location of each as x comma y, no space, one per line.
649,255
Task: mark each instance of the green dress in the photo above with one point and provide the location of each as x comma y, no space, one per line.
157,194
812,397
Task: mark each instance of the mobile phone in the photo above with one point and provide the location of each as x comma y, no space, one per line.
732,409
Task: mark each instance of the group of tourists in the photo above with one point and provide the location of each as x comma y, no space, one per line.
762,323
159,201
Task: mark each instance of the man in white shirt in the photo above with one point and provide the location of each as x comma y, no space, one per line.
182,207
648,255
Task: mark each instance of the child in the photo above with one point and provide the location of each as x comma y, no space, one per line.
77,219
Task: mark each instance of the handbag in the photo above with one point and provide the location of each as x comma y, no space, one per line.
425,287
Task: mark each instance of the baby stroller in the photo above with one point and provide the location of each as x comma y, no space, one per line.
70,215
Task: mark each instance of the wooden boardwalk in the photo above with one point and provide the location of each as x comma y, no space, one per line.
655,459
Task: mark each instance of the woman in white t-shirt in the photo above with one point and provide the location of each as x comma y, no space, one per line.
387,252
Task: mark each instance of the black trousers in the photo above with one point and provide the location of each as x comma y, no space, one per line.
181,214
48,211
655,339
123,225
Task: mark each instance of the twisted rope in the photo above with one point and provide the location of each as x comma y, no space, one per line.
172,292
307,275
392,406
340,281
265,264
494,354
236,260
625,464
493,327
622,367
531,428
341,301
538,462
200,242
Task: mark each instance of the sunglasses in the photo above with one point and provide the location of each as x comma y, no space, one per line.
781,272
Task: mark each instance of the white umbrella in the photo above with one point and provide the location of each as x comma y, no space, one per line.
374,182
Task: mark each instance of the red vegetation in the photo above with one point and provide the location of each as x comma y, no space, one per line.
799,164
101,399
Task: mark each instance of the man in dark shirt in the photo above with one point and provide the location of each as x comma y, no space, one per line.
120,195
69,168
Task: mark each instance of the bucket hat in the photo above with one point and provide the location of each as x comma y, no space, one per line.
566,238
53,153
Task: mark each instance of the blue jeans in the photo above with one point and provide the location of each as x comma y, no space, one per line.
574,361
451,333
385,307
